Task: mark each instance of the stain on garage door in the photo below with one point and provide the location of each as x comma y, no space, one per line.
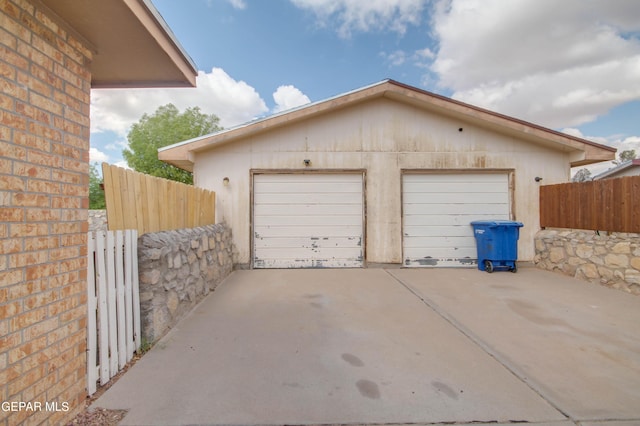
437,211
310,220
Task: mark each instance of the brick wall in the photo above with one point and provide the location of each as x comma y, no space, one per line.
44,166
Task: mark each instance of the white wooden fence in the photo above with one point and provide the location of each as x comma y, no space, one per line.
113,324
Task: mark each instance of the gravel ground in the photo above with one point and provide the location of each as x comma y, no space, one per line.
98,417
102,416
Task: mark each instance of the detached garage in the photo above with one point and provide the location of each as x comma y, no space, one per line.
386,174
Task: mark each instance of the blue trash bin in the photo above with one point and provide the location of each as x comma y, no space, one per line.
497,242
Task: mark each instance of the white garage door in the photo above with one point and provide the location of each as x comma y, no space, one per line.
307,220
438,209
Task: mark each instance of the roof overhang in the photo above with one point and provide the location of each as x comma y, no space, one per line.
581,151
133,46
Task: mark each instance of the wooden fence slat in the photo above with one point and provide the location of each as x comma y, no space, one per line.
606,205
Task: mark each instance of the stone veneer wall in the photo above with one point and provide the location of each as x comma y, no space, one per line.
177,269
609,259
97,220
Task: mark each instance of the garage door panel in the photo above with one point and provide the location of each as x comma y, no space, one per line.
437,212
306,263
308,221
312,209
422,206
307,242
457,209
468,253
309,187
310,198
440,242
448,187
342,257
302,231
449,220
327,178
437,231
443,178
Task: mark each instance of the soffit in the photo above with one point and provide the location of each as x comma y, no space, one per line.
133,45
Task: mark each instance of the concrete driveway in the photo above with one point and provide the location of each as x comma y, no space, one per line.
396,346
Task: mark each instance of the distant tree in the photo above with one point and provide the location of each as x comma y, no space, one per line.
96,194
164,127
582,175
626,155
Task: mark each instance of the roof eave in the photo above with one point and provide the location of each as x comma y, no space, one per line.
131,43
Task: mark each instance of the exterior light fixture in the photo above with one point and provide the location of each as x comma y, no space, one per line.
225,181
307,162
538,179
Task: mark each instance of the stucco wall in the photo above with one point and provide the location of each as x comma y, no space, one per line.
44,175
383,137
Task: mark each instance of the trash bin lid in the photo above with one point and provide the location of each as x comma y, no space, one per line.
493,223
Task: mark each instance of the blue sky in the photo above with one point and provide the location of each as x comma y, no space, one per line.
572,66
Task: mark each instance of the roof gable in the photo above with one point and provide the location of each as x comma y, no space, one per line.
582,151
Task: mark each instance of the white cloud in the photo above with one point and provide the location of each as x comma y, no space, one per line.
97,156
234,102
555,63
287,97
396,58
365,15
238,4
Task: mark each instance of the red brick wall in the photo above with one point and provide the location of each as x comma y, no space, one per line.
44,165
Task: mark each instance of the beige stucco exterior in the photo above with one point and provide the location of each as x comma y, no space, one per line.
383,137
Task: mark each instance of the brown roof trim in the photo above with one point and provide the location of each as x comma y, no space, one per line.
502,116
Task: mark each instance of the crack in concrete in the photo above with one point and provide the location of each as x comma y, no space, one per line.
513,369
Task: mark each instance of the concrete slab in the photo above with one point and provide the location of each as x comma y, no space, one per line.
577,344
612,423
320,347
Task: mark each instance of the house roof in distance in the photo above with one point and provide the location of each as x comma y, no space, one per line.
581,151
629,164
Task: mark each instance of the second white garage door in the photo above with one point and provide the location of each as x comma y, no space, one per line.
438,209
310,220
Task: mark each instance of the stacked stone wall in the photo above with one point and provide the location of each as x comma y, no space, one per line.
177,269
97,220
611,259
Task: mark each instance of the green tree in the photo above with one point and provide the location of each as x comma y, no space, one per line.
96,194
582,175
626,155
164,127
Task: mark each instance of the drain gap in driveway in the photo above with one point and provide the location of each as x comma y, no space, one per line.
513,369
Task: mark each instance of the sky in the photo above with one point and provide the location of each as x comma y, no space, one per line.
571,65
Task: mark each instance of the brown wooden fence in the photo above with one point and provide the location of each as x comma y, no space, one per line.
150,204
604,205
